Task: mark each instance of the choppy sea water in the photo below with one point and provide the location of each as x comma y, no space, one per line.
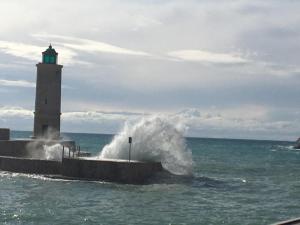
234,182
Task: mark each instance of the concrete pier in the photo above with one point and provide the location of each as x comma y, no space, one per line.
15,148
28,165
133,172
27,156
29,148
4,134
110,170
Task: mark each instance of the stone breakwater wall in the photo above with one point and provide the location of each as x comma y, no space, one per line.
16,148
27,165
109,170
29,148
134,172
4,134
18,156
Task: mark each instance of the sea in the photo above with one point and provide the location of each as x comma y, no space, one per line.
232,182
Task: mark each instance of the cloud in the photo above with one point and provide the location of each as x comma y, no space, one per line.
16,118
68,49
207,57
225,119
87,45
24,84
17,83
27,51
87,116
153,56
220,123
34,52
277,69
99,117
15,112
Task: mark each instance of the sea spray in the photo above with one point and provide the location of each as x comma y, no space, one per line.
46,148
154,139
47,151
54,152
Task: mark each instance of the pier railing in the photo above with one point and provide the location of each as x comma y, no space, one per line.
73,152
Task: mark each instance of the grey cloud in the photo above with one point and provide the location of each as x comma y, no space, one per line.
215,122
87,45
207,57
259,38
17,83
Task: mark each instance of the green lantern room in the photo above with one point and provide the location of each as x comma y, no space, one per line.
50,56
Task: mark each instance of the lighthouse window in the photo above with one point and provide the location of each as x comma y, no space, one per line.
46,59
44,129
52,59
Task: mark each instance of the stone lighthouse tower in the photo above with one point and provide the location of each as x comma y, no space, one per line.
48,96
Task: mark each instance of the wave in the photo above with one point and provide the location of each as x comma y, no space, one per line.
283,148
154,139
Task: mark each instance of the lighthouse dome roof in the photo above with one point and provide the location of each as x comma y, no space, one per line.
50,51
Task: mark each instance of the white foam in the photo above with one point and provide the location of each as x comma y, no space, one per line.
154,139
285,148
54,152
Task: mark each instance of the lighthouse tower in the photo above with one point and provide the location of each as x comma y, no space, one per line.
48,97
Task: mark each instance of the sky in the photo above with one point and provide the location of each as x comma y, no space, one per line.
224,69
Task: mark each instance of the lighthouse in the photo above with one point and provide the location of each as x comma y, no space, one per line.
48,96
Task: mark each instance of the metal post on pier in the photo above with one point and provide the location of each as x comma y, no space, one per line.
129,153
63,152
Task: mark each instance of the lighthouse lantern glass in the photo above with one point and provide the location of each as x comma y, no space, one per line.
50,56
